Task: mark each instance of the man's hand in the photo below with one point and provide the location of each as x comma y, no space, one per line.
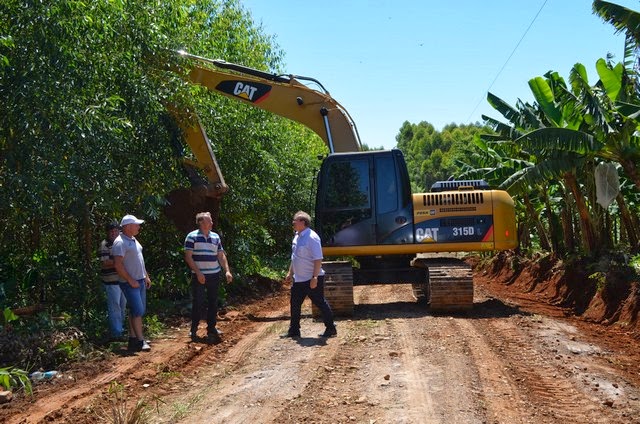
147,281
200,277
314,282
287,278
134,284
229,276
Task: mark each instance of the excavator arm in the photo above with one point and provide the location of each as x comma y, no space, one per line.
196,137
286,96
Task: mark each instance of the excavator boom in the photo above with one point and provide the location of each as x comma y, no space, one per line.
283,95
286,96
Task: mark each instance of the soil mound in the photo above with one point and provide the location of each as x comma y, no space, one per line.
605,292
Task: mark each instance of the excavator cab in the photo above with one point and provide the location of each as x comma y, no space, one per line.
364,199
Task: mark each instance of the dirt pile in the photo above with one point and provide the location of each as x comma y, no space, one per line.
606,292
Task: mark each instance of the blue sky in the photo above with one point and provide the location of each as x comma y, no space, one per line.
388,62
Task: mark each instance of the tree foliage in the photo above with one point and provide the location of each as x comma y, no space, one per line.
433,155
85,138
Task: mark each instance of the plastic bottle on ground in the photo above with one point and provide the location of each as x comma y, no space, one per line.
39,375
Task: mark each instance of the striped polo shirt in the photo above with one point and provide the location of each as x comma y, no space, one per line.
205,250
108,275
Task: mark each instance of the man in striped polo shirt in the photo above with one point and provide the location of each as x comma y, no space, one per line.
116,302
205,256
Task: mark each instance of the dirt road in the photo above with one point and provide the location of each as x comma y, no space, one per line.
393,362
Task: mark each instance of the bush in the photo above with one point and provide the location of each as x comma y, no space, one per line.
39,342
11,378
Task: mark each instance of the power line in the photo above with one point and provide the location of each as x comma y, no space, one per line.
507,61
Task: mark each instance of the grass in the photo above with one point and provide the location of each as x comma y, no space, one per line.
120,413
182,409
167,375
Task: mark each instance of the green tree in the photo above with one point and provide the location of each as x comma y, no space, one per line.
85,137
434,155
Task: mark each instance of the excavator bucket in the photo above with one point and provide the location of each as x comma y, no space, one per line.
185,203
204,195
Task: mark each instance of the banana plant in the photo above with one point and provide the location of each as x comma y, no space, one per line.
623,19
546,133
495,161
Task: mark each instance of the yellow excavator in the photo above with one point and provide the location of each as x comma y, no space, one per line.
364,205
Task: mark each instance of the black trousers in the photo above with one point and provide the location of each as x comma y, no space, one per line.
205,292
300,291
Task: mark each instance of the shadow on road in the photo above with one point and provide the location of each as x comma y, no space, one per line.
494,308
398,309
311,341
490,308
255,318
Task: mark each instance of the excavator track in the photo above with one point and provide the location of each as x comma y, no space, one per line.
450,284
338,288
421,292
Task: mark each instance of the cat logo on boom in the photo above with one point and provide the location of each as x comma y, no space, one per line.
250,91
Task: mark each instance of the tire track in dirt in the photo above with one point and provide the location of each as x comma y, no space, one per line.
529,387
421,381
346,387
256,377
497,389
435,368
392,367
549,392
432,362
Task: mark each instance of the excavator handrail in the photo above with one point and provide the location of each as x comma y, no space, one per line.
236,67
252,71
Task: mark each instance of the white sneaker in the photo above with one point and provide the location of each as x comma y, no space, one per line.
145,346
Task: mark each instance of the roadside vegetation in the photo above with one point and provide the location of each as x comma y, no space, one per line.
85,138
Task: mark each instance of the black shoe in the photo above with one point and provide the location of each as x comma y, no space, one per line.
134,345
194,337
213,338
329,332
290,335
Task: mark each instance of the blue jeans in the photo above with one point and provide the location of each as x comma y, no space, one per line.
299,291
136,298
116,305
